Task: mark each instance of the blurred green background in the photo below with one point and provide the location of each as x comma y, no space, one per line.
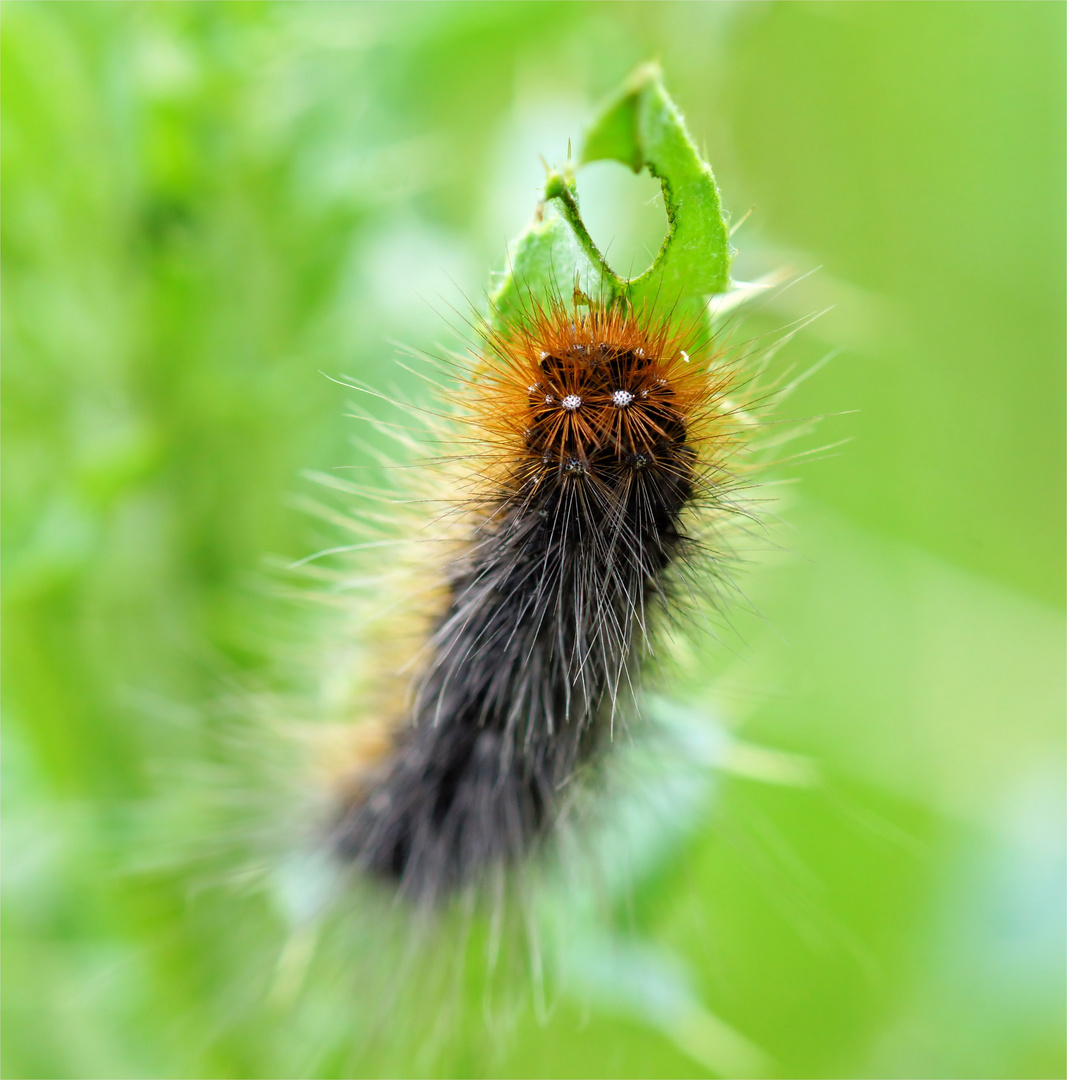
208,205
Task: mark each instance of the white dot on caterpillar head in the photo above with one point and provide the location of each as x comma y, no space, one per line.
621,398
549,399
639,353
571,402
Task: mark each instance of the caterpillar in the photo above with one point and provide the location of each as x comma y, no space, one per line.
603,428
594,474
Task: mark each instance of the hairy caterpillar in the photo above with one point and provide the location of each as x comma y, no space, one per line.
600,430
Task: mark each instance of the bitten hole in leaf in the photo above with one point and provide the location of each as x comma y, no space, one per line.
624,214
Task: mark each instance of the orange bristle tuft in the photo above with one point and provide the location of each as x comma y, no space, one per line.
597,391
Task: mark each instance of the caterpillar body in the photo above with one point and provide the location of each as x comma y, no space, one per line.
599,440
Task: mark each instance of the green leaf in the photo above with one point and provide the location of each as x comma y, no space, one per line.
640,127
553,257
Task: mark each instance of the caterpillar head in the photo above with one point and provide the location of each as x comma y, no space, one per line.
604,395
